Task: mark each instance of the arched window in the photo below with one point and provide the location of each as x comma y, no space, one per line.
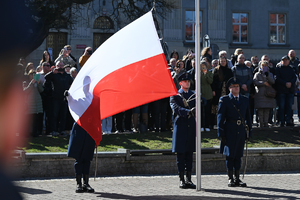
103,22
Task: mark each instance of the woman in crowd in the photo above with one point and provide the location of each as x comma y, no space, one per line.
39,69
46,58
206,92
175,55
221,74
206,53
34,102
29,67
66,57
263,79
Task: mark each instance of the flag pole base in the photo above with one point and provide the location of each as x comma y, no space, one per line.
201,190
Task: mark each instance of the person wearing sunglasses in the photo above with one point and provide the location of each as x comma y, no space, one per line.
66,57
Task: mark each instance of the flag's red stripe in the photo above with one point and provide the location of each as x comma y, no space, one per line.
91,120
136,84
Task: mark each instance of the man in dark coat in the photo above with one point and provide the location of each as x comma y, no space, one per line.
58,81
233,116
81,147
184,132
285,79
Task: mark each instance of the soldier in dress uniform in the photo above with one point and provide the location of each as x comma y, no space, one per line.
233,117
81,147
184,132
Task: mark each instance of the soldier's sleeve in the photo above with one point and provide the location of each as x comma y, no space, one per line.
177,109
221,117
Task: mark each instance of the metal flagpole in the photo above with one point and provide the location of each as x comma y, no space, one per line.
198,95
96,163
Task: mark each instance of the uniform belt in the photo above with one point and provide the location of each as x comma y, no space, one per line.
237,122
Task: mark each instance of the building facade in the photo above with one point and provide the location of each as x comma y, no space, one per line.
257,26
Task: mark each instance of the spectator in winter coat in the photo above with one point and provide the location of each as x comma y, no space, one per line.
58,81
34,103
243,74
285,84
262,80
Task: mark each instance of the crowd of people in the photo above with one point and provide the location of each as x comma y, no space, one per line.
270,86
45,87
267,85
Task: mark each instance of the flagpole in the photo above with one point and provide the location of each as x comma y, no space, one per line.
198,94
96,163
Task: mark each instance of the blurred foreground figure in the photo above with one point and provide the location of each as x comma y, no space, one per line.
13,122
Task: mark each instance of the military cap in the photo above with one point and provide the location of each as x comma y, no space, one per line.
184,76
232,81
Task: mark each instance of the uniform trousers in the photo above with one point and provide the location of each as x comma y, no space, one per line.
184,161
82,166
233,163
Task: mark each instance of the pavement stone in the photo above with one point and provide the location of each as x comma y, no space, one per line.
260,186
281,186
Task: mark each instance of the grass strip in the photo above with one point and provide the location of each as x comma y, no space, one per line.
273,137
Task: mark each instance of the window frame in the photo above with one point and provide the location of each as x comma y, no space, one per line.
240,24
277,25
193,21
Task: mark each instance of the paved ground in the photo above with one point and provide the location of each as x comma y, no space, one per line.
214,187
260,186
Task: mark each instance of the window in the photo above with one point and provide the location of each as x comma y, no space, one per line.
190,25
100,38
277,28
103,22
56,41
239,27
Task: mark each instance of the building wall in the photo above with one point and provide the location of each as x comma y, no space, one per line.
216,22
259,26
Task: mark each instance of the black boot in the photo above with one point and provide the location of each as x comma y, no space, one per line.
182,182
237,180
86,187
189,183
79,184
230,179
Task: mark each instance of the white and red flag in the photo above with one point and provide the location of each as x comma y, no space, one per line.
126,71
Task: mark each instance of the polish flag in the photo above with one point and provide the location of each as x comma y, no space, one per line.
127,70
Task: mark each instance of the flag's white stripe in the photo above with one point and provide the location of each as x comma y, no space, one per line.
137,41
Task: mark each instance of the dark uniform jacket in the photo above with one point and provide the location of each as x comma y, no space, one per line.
184,131
227,124
81,144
